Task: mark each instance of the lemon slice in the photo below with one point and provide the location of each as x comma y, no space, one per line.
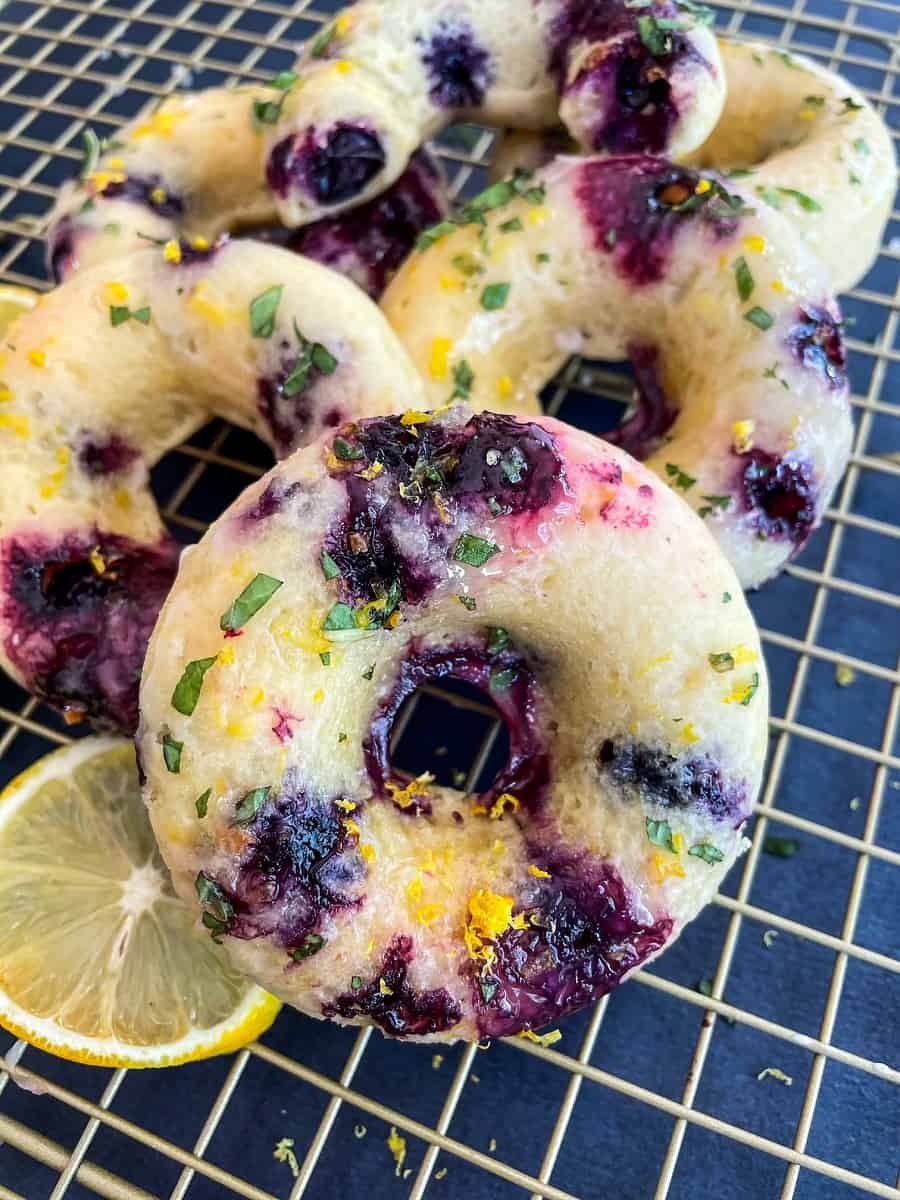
100,962
13,302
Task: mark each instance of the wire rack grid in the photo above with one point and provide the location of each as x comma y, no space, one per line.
655,1093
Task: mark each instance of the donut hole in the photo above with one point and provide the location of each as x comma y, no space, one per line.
452,729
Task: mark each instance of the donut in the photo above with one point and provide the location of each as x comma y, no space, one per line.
193,170
112,369
559,577
805,140
728,320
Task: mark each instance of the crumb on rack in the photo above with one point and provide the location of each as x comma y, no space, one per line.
775,1073
397,1147
284,1153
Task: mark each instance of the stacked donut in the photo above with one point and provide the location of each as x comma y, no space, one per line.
425,521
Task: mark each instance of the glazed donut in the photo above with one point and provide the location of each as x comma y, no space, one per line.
194,170
119,364
551,571
727,317
807,142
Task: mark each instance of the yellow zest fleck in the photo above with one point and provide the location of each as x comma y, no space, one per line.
312,642
5,395
200,243
755,243
116,293
172,251
663,868
442,510
63,454
16,424
743,436
201,304
490,915
351,826
226,656
449,283
723,261
439,358
808,114
429,913
384,989
37,358
396,1143
318,696
504,800
537,872
743,654
393,620
343,67
372,472
122,499
413,417
634,727
343,24
678,843
844,675
405,797
479,810
414,890
159,195
504,387
370,946
436,1060
115,164
689,734
102,179
284,1153
257,698
239,729
538,214
161,124
777,286
346,805
542,1039
740,694
702,187
654,662
499,848
368,852
97,561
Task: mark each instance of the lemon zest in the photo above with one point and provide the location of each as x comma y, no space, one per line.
537,872
542,1039
284,1153
702,187
743,436
346,805
439,358
414,890
172,251
159,195
16,424
405,797
413,417
663,868
368,852
429,913
396,1143
689,734
504,800
116,293
490,915
37,358
755,242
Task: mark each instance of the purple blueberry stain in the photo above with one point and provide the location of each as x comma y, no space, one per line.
78,615
61,249
636,207
816,340
392,1003
459,70
368,243
287,400
150,191
657,777
581,936
408,487
332,169
100,456
643,432
781,495
294,868
494,665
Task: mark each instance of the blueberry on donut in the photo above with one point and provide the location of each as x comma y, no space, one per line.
106,374
545,568
729,320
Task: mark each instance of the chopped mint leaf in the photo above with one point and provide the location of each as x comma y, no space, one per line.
267,112
707,851
323,41
861,146
768,195
325,658
786,59
345,452
750,691
850,105
854,178
249,805
467,265
740,173
202,803
722,662
342,737
660,833
341,616
258,592
488,989
468,602
494,296
760,318
330,569
141,314
680,479
543,258
772,373
814,101
284,80
356,983
713,504
743,278
120,313
216,927
502,681
90,153
498,639
311,944
214,897
726,597
262,311
434,234
806,202
781,847
187,689
172,753
463,378
369,671
474,550
514,225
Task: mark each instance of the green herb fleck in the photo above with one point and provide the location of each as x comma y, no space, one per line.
705,987
707,851
172,753
610,237
680,479
262,311
312,355
467,265
850,105
267,112
311,944
768,195
514,225
814,101
356,983
90,153
760,318
249,805
325,658
369,671
474,550
854,178
220,909
284,80
726,597
434,234
772,373
323,41
494,296
463,378
781,847
543,258
660,833
468,602
750,691
722,662
498,639
202,803
786,59
743,278
340,616
502,681
488,988
342,737
713,504
806,202
330,569
258,592
188,687
861,145
345,452
120,313
740,173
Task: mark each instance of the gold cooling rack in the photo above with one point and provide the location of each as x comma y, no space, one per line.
655,1094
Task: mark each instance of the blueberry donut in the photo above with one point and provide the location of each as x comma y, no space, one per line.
728,319
194,170
546,568
804,141
106,374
